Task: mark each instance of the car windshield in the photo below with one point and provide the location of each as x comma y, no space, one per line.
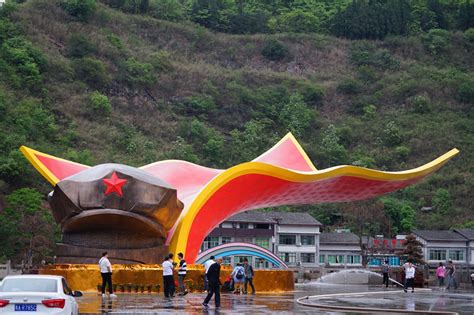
29,285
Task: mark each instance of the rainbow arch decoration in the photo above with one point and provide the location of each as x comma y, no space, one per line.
231,249
283,175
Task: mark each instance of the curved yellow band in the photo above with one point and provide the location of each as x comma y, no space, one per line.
181,233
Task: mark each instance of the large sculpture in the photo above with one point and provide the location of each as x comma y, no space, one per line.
140,206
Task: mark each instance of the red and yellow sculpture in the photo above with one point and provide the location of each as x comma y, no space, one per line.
284,175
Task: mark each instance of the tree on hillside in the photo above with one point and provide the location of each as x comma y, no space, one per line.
365,219
27,228
412,249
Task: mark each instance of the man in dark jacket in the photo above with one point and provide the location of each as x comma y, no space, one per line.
248,276
213,275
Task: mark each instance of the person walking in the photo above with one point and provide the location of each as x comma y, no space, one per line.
238,274
106,273
451,271
168,282
207,264
182,270
409,276
385,273
249,274
213,277
441,273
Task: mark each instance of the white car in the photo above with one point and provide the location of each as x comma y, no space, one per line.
37,294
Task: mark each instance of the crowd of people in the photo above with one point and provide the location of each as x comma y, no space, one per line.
239,279
442,272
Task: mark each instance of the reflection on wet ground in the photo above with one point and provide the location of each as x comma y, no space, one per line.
436,300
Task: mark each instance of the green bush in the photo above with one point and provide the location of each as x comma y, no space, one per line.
274,50
138,74
466,92
295,115
366,54
99,103
421,104
469,35
402,152
161,61
115,41
81,9
92,71
79,46
369,111
311,92
437,40
296,21
199,104
392,134
349,86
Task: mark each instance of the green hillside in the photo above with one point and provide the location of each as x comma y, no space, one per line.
107,85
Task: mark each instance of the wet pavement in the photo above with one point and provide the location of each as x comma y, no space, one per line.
461,301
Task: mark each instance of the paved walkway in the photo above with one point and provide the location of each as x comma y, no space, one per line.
461,301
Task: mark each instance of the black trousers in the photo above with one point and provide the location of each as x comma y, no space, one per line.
410,283
385,279
247,281
214,289
106,280
168,285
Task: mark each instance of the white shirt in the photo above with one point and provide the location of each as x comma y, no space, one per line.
208,264
104,265
167,268
409,272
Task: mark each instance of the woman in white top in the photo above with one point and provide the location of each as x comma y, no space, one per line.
409,276
106,273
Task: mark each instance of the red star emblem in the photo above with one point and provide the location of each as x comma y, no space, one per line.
114,184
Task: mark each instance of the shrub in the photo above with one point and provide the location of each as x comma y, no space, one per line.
392,135
274,50
402,152
312,93
295,115
437,40
115,41
296,21
79,46
349,86
161,61
366,54
81,9
200,104
369,111
99,103
469,35
92,71
421,104
466,92
138,74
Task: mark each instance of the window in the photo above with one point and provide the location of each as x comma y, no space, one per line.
307,239
240,259
456,254
287,239
437,254
243,240
66,288
321,259
226,239
353,259
335,259
243,225
29,285
289,258
307,257
263,242
261,263
262,226
209,242
226,260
